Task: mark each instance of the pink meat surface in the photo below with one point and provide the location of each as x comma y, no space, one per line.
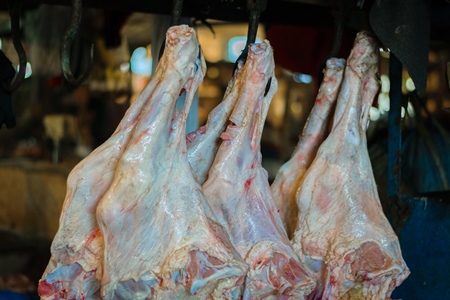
290,176
238,191
161,237
203,143
77,249
342,234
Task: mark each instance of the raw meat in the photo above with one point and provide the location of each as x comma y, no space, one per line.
342,234
77,249
289,177
203,143
238,191
161,240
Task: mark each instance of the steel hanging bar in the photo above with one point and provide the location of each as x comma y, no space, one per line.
252,27
177,7
15,7
69,37
395,136
175,17
339,28
255,7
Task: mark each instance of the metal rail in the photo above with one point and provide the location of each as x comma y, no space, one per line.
395,136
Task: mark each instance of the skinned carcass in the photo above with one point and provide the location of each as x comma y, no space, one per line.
289,177
75,269
342,233
161,240
75,266
238,190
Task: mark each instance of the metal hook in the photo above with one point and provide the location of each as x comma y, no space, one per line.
14,13
339,31
177,7
69,37
255,7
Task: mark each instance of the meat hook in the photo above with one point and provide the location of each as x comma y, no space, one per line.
14,7
177,7
69,37
339,32
255,7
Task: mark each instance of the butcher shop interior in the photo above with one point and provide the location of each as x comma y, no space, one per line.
224,149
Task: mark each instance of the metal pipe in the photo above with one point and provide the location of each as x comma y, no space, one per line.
255,7
177,8
394,121
69,37
253,23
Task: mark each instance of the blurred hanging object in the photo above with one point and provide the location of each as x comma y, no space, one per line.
395,24
9,80
448,76
447,109
6,75
69,37
14,7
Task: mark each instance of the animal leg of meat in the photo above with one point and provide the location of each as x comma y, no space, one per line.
289,177
238,191
161,237
77,249
342,233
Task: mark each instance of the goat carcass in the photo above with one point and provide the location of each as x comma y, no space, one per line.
161,240
75,266
342,234
238,191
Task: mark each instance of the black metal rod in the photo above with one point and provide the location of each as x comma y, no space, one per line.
395,136
177,8
253,23
69,37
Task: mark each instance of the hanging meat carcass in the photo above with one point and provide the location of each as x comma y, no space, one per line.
161,240
342,234
289,177
203,143
238,191
76,266
77,249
